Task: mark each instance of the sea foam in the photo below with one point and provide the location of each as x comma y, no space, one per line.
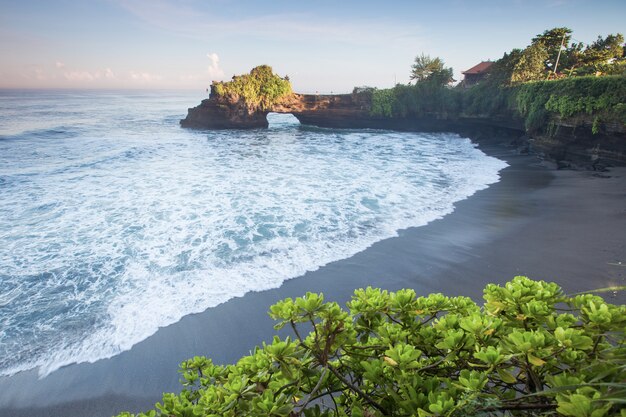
114,225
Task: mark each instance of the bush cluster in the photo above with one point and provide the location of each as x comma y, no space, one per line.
601,97
536,103
529,350
421,99
259,89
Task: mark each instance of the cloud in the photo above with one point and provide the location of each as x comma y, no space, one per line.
214,70
79,76
144,77
40,74
108,74
83,75
59,64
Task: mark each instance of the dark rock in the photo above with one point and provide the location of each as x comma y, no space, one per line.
570,141
563,165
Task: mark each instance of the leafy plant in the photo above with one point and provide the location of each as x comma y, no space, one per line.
529,350
259,89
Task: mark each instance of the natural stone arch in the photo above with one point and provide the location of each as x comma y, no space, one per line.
341,110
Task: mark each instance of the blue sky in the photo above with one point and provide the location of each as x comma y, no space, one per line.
322,45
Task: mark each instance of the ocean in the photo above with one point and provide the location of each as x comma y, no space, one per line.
115,221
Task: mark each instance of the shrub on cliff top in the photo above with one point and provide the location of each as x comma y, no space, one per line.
601,97
259,89
530,350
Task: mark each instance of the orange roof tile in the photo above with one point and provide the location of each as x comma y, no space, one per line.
477,69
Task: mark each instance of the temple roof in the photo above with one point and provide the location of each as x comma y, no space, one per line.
477,69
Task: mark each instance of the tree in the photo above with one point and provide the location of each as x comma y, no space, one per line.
530,350
427,68
530,64
552,40
603,50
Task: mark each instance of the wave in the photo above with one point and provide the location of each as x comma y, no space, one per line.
136,233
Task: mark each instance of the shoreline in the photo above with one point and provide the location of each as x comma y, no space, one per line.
561,226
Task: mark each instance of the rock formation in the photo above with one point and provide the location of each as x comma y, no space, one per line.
567,139
341,111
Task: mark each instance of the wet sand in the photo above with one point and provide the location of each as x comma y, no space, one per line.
562,226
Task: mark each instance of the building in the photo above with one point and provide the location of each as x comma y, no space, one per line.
476,74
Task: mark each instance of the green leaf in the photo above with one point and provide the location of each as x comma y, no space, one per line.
505,376
535,360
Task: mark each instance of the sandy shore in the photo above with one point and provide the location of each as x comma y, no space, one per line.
563,226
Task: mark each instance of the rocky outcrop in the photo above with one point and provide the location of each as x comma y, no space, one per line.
343,110
572,142
221,114
569,142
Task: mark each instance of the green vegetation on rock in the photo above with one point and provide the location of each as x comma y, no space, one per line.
600,97
529,350
524,84
259,89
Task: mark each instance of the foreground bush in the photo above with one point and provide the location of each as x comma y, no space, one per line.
530,350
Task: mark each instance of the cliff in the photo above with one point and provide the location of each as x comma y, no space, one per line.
340,111
569,141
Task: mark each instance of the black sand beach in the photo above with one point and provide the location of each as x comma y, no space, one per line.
562,226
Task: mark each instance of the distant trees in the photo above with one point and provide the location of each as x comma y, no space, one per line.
531,63
551,42
551,54
430,69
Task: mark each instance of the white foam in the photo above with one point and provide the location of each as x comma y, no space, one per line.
135,235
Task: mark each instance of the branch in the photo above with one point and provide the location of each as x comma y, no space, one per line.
356,389
533,406
317,386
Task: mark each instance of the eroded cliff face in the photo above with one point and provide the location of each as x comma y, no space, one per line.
570,142
344,110
213,113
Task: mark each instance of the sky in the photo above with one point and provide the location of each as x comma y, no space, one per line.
322,45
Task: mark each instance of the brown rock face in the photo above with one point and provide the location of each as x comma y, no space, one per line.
573,140
219,114
570,139
344,110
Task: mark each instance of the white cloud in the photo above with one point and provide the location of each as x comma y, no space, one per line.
40,74
214,70
82,75
109,74
144,77
59,64
79,76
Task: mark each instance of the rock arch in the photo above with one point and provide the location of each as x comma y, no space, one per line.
340,110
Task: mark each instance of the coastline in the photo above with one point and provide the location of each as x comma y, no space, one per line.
561,226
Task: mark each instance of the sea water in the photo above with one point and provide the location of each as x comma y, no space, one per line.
114,221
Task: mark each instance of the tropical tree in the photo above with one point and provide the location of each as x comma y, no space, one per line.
531,64
426,68
553,41
603,52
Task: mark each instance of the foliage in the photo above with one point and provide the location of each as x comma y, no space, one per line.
259,89
539,60
530,350
430,69
604,56
531,64
552,41
601,97
426,97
